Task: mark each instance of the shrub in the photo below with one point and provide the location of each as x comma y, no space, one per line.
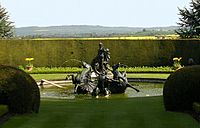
182,89
196,107
18,90
177,63
3,110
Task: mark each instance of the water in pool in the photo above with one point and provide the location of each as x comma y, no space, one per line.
146,89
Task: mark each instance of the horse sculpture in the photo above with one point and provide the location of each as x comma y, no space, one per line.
101,83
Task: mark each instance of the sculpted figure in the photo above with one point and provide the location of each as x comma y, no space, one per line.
82,81
100,62
102,84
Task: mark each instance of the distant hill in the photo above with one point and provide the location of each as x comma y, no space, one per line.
91,31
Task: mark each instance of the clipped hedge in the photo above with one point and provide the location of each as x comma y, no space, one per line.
182,89
18,90
66,52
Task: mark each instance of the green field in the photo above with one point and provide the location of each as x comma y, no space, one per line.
103,113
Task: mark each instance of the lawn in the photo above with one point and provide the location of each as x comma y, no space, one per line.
48,70
148,75
103,113
38,77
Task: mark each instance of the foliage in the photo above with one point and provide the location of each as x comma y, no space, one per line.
145,69
196,107
18,90
3,109
6,26
88,31
54,70
190,20
29,65
177,63
47,70
103,113
56,53
182,89
29,60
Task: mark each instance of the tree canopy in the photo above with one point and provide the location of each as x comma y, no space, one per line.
6,26
189,20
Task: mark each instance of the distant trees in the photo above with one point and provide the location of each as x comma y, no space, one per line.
190,20
6,26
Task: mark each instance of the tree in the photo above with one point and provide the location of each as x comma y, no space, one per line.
190,20
6,26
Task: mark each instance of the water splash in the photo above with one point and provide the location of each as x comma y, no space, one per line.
75,60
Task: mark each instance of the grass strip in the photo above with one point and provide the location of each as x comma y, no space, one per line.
148,75
38,77
145,69
53,70
103,113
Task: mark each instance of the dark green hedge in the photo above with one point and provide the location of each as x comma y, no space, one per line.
18,90
182,89
3,110
196,107
65,52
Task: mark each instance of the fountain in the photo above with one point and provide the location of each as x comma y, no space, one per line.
98,78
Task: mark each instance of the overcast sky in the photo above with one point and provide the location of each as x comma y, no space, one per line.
132,13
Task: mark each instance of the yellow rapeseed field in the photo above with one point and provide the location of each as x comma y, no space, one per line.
120,38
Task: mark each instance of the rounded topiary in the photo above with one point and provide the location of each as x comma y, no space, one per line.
18,90
182,88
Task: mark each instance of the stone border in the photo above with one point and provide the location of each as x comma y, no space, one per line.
149,80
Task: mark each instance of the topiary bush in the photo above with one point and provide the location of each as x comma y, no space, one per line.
182,89
18,90
196,107
3,110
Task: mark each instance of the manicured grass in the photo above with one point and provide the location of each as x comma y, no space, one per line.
103,113
38,77
145,69
148,75
46,70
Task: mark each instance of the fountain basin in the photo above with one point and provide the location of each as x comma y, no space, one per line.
146,89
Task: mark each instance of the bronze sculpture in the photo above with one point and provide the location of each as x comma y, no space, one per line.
102,84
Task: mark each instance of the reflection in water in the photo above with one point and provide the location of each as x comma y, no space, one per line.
146,89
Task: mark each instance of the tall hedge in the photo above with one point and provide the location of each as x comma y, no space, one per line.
66,52
18,90
182,89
